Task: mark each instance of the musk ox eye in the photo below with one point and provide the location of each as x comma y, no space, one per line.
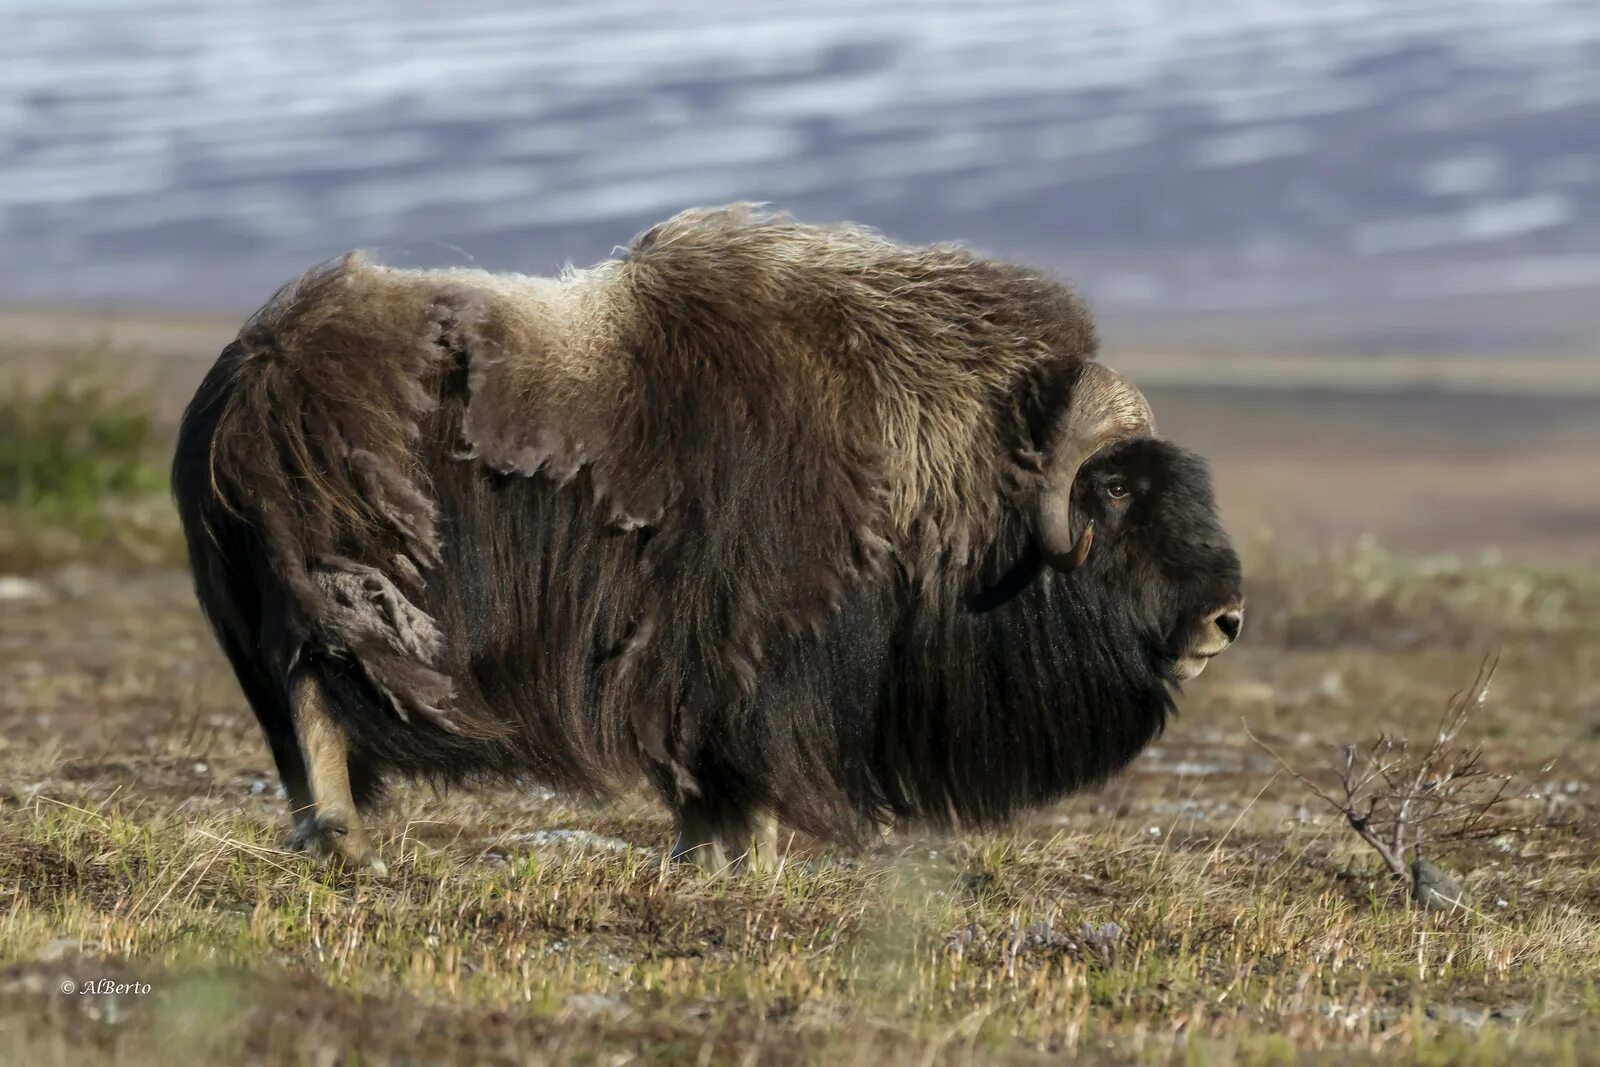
1116,488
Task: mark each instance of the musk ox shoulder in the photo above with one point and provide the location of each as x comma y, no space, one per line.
783,522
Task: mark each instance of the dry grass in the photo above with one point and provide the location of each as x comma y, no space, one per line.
1195,910
478,946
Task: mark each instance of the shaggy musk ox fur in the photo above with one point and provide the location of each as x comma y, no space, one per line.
751,514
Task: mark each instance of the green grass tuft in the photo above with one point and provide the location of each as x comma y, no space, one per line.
82,474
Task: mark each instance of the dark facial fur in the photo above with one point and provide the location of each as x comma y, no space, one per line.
1158,540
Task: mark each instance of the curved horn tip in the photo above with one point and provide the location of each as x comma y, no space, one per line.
1067,562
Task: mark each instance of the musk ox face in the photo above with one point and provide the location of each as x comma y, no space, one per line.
1156,540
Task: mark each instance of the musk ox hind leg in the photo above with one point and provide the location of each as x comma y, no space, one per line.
296,783
332,828
718,839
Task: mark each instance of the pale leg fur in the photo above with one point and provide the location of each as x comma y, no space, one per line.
723,841
327,822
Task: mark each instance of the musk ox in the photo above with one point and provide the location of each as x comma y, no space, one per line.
784,522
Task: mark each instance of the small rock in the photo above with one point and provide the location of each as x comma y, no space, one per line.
1457,1014
76,580
582,839
14,587
962,937
1103,938
1043,934
1435,888
59,949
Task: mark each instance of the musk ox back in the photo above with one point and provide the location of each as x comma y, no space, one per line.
785,522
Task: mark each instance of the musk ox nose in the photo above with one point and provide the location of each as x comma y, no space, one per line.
1230,621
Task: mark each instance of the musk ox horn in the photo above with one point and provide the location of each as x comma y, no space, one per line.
1105,408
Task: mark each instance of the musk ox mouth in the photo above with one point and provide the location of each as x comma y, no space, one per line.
1189,667
1212,638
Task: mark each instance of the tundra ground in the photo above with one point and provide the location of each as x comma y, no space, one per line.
1200,908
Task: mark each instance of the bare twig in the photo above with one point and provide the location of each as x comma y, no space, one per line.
1395,799
1360,822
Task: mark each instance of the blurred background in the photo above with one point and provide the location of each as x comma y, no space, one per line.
1358,240
1365,175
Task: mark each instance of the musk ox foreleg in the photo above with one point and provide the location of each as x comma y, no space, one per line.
327,823
717,839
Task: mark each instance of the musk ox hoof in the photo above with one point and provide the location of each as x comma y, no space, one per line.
709,856
334,840
727,842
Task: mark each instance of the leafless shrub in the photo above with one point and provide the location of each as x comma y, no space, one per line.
1395,796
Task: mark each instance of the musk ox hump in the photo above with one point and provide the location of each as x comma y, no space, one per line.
543,390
